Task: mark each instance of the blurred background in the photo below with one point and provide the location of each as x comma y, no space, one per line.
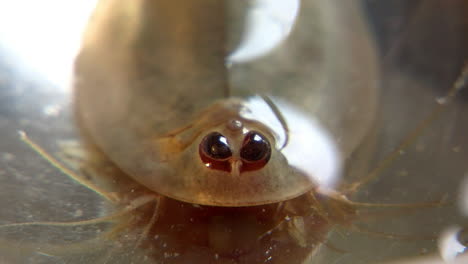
422,49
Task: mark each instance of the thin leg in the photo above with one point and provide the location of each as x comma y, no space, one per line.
154,218
54,162
386,235
459,84
77,248
129,208
342,199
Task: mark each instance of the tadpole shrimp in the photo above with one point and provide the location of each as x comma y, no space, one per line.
203,160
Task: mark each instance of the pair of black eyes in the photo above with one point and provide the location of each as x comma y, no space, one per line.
255,147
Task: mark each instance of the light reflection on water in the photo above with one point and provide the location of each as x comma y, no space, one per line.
452,243
309,148
44,35
268,23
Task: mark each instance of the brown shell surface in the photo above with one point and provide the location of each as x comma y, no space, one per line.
150,84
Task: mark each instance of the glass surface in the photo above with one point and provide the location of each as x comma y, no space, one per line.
420,51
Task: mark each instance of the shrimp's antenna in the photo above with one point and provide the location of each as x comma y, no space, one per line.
280,117
54,162
459,84
109,218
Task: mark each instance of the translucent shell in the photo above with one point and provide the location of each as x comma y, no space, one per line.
157,94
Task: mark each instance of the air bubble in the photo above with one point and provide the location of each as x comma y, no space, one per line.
52,110
453,243
441,100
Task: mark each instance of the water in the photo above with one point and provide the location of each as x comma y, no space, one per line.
430,169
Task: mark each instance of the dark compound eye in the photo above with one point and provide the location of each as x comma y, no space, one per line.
216,146
214,151
255,151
